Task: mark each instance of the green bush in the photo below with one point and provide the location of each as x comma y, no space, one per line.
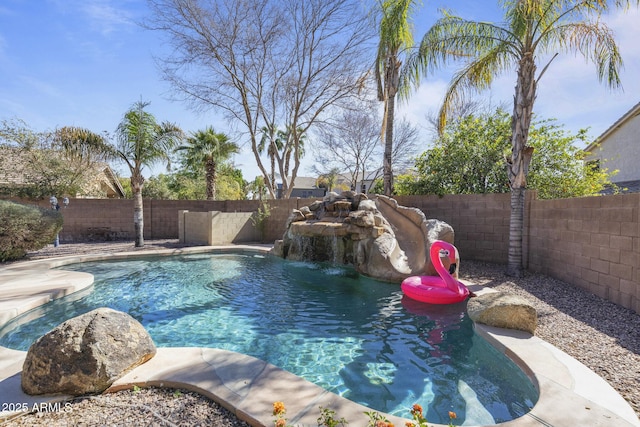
25,228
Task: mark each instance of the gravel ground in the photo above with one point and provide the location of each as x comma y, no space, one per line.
139,407
603,336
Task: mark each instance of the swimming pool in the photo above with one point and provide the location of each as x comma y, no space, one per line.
349,334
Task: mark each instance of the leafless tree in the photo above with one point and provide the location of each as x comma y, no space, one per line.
405,147
351,143
273,63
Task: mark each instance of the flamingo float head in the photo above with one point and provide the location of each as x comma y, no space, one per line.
446,274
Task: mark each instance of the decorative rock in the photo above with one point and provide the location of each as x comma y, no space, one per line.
503,311
342,209
380,239
362,218
296,215
331,197
355,205
278,248
86,354
305,210
368,205
317,205
348,194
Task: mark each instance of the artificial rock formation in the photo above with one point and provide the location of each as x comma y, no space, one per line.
503,311
86,354
378,237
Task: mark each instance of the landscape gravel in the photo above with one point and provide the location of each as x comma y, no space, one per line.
602,335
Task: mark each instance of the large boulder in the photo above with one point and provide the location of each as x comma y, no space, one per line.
86,354
503,311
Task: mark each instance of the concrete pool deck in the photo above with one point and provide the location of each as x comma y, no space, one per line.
570,393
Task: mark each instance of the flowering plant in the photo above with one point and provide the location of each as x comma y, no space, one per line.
327,418
418,417
279,412
377,420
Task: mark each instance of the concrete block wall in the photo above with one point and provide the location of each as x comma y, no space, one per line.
233,227
216,228
98,219
162,222
480,222
591,242
195,228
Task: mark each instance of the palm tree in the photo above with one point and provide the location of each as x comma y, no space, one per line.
281,145
82,146
530,30
271,141
291,142
395,38
208,149
141,141
82,149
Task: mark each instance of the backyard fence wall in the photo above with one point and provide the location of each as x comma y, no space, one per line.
591,242
216,228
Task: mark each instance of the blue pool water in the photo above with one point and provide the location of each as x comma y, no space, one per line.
352,335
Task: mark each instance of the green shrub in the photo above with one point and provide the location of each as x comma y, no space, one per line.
26,228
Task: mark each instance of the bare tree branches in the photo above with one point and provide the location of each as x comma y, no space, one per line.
351,144
265,63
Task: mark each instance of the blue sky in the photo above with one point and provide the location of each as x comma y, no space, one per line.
85,62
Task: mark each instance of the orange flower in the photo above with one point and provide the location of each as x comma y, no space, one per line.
452,415
278,408
281,422
409,424
417,409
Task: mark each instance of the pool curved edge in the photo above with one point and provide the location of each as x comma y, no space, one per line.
570,393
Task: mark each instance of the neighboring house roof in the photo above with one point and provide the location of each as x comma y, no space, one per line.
624,187
305,182
104,182
303,187
111,184
634,111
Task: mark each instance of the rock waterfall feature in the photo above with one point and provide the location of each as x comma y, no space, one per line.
380,238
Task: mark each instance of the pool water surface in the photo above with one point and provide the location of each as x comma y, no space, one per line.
357,337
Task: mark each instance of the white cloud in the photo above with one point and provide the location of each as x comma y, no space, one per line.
103,16
40,86
425,102
106,15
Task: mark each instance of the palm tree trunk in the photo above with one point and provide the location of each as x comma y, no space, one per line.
516,227
392,82
272,156
520,159
388,147
214,178
138,215
210,178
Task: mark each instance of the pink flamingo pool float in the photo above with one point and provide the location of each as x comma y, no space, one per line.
442,289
